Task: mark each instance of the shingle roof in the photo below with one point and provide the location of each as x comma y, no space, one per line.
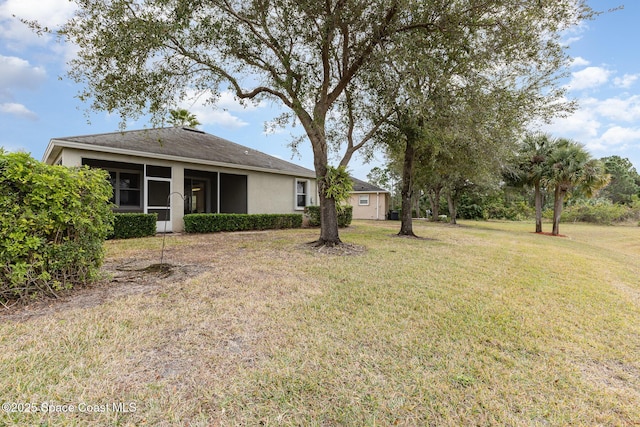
362,186
188,144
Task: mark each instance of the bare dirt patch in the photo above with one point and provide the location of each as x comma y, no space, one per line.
131,277
138,271
342,249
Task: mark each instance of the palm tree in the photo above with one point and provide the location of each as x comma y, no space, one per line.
572,168
182,117
532,167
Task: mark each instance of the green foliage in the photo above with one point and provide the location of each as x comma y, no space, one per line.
210,223
345,215
337,184
132,225
518,211
470,211
601,211
624,184
182,117
53,225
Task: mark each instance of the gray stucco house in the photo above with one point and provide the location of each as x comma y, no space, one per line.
188,170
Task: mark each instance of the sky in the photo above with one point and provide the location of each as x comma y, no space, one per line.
38,103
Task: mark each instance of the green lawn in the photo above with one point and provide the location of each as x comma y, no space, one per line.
481,324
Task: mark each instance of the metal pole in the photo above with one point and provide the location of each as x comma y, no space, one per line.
164,235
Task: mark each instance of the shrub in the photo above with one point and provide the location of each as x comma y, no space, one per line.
598,212
515,212
130,225
313,215
210,223
345,215
470,211
53,225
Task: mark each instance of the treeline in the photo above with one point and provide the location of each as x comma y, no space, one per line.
543,178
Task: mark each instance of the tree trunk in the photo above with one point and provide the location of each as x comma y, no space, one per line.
538,202
328,222
453,210
329,235
557,209
406,226
434,201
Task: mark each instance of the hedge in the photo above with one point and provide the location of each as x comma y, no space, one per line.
53,225
131,225
210,223
345,215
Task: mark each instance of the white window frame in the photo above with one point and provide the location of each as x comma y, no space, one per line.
360,200
307,188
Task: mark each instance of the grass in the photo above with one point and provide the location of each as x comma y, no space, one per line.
481,324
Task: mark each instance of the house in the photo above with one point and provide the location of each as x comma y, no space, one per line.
176,171
368,200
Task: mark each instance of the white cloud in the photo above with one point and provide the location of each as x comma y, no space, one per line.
626,81
17,73
579,61
228,101
50,13
210,116
589,77
582,125
18,110
219,113
618,136
620,109
600,125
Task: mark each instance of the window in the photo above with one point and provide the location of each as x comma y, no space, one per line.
302,193
126,180
363,200
126,188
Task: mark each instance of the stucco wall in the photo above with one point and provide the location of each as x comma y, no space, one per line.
377,208
266,192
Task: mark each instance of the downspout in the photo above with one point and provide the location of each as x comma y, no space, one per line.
377,205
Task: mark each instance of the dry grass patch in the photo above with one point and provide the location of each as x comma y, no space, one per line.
483,324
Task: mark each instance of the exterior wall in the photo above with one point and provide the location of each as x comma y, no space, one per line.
271,193
266,192
377,208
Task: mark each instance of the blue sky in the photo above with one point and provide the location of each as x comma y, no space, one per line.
36,104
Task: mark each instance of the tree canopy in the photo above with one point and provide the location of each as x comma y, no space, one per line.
312,57
571,168
625,180
182,117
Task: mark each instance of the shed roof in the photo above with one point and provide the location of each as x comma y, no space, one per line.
180,143
364,187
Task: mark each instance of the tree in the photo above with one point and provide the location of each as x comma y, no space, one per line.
479,89
182,117
531,167
624,180
387,178
143,56
572,169
136,57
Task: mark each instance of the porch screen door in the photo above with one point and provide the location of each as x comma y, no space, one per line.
157,201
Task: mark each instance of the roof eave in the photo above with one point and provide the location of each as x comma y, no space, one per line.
61,143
